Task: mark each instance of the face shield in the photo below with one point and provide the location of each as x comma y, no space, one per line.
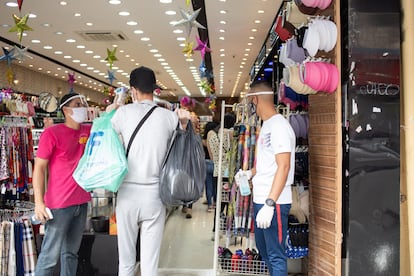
251,107
80,101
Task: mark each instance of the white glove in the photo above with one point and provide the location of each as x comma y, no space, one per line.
264,216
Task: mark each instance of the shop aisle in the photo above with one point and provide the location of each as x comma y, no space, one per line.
187,248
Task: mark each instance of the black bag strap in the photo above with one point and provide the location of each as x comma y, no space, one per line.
138,127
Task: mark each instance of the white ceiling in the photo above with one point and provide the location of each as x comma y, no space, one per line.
235,45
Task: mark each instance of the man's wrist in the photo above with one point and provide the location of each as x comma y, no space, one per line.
270,202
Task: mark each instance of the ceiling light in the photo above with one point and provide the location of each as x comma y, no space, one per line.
247,49
5,25
221,50
145,39
132,23
178,31
164,63
89,24
250,44
254,30
63,3
222,31
165,1
80,46
223,11
153,51
123,13
58,53
114,2
96,71
90,68
11,4
138,32
170,13
76,61
70,40
181,38
40,69
221,37
35,41
47,25
223,55
59,33
47,47
157,55
32,15
223,22
260,11
83,65
96,56
77,14
88,52
257,21
251,37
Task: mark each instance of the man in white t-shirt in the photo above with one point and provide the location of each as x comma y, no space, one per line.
273,176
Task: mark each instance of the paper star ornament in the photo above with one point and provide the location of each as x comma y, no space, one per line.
8,56
111,57
21,53
188,49
202,47
111,76
189,21
10,76
205,85
20,26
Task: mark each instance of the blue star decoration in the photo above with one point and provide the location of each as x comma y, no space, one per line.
111,76
189,21
202,69
8,55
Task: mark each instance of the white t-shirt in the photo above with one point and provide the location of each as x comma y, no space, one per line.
150,145
276,136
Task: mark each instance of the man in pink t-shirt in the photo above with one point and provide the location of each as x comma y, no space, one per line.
60,148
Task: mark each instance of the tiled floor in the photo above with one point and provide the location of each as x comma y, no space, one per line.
187,248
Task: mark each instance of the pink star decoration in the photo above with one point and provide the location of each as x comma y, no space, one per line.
202,47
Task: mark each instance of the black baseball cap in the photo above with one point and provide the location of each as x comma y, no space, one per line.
143,78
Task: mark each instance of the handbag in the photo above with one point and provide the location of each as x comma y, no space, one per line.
183,171
103,163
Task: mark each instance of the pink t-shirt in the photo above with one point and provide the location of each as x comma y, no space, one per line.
63,147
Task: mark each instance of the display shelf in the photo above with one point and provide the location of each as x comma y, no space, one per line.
230,266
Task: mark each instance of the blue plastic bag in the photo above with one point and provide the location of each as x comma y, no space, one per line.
103,163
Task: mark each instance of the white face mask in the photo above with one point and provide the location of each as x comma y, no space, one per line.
80,114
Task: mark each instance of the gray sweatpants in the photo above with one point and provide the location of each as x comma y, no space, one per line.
139,207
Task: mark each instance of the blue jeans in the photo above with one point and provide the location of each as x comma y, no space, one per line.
63,236
209,181
270,247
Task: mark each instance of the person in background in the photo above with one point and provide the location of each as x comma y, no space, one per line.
195,121
60,148
139,207
272,178
209,168
213,145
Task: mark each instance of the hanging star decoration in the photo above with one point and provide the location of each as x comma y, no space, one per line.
188,2
111,76
205,85
21,53
20,3
189,21
8,56
188,49
202,47
202,68
71,81
10,76
20,26
111,57
106,90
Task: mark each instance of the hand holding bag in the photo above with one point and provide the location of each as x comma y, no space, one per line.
183,172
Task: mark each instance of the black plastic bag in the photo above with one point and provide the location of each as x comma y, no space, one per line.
183,173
